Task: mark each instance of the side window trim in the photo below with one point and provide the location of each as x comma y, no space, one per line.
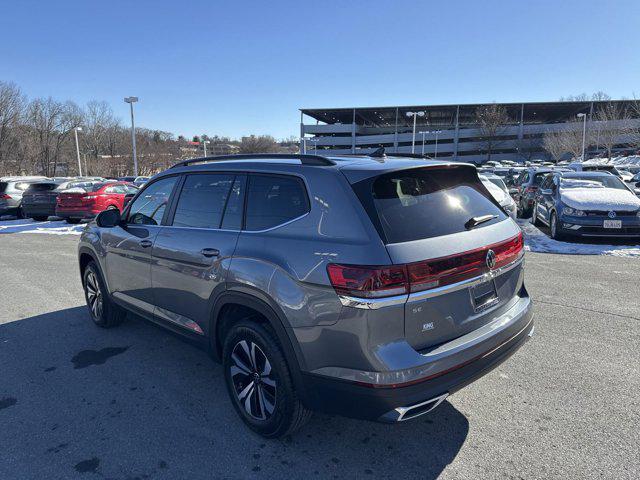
167,219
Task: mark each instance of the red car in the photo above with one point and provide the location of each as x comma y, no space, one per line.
88,200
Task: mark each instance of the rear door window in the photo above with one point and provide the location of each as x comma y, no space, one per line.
202,200
426,202
273,200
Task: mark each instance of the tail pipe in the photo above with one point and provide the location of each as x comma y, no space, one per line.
401,414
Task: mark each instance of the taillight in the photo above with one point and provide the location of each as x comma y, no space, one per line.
384,281
368,282
90,198
4,196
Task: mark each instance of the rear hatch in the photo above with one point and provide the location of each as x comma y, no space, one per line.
457,251
41,193
72,198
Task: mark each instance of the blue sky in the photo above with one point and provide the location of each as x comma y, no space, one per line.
240,67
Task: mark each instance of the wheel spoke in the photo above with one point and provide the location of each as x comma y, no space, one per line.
245,348
269,381
240,364
246,391
254,363
266,371
270,407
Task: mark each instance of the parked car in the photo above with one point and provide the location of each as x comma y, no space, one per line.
372,289
139,181
87,200
39,199
500,192
11,191
525,188
126,179
587,204
590,166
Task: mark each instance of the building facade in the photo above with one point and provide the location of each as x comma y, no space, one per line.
453,131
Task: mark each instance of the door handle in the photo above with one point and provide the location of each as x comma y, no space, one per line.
145,243
210,252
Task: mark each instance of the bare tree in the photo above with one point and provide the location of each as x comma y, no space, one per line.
492,121
50,124
566,141
11,110
258,144
613,125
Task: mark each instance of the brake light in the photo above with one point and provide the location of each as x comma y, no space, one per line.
384,281
368,282
4,196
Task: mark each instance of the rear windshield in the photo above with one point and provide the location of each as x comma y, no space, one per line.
426,202
539,177
42,187
3,187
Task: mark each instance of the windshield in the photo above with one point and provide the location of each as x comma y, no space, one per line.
605,181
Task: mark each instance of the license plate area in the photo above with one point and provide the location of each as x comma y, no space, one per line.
612,224
484,295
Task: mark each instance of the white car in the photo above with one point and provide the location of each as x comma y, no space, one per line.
500,192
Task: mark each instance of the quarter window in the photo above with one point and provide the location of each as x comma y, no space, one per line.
202,201
273,200
150,205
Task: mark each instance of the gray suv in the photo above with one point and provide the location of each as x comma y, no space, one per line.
371,287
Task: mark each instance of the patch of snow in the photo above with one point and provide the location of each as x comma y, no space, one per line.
57,227
537,241
599,199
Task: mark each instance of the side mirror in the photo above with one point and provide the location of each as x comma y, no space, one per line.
637,192
108,218
637,184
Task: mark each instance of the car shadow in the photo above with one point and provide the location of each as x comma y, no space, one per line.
137,401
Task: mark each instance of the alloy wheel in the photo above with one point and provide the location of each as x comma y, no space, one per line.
253,380
94,295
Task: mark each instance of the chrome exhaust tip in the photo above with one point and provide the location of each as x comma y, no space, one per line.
401,414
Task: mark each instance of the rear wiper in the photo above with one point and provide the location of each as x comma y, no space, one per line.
475,221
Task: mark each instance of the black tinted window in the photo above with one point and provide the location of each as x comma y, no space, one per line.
424,203
149,207
273,200
202,201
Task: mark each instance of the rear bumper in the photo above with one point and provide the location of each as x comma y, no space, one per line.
392,404
38,209
75,212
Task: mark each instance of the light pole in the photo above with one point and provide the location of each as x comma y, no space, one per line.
413,139
75,133
423,133
131,101
584,130
204,144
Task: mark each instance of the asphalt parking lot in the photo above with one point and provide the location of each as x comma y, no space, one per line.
77,401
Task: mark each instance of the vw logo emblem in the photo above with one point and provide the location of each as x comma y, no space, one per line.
612,214
491,259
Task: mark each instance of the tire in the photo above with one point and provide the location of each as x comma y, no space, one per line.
20,213
269,369
553,227
39,218
534,216
72,220
103,311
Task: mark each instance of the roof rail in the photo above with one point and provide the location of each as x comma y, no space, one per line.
305,159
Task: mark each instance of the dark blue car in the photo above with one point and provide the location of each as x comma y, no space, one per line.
586,204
